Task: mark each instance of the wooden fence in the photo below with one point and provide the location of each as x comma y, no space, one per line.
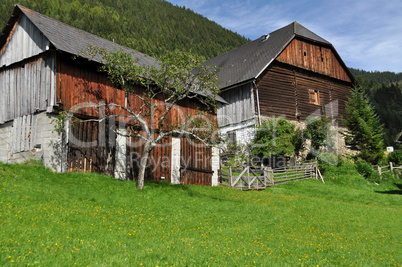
253,178
387,169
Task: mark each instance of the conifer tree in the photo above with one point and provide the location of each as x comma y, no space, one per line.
365,133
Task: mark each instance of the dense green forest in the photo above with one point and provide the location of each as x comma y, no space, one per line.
380,77
384,90
149,26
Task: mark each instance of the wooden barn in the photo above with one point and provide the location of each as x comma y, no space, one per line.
291,73
39,78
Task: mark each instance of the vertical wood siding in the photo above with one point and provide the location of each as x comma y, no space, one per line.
240,107
24,134
79,84
314,57
159,162
82,84
284,92
25,41
91,148
196,163
27,87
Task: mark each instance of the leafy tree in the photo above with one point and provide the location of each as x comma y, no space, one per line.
318,131
365,133
163,88
277,137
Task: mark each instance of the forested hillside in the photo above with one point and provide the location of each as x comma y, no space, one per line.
386,77
385,92
149,26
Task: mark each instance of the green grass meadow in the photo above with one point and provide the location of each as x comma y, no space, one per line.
52,219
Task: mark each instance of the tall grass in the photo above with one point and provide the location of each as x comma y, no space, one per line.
87,219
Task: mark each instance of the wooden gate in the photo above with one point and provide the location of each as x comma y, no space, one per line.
91,147
247,179
252,178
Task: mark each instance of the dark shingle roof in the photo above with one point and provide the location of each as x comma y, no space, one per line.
248,61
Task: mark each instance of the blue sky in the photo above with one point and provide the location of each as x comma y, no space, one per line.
367,34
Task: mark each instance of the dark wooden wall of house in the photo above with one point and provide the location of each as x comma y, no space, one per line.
284,91
314,57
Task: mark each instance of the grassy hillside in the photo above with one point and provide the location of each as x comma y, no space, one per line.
149,26
88,219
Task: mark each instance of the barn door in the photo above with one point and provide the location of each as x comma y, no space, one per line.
196,163
91,147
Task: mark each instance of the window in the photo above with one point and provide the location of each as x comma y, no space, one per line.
232,137
314,97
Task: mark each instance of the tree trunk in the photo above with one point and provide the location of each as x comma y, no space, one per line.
143,165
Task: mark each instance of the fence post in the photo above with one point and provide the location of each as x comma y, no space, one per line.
391,166
230,176
316,170
271,175
248,177
379,171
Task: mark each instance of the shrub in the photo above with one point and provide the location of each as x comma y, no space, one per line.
277,137
318,130
396,157
365,169
327,160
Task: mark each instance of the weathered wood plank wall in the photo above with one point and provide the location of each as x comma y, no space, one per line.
313,57
240,107
159,162
79,83
27,87
196,163
24,41
24,135
284,91
91,147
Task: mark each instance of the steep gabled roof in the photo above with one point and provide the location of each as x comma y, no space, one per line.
74,41
69,39
250,60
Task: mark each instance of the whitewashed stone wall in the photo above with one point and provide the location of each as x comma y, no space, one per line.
245,131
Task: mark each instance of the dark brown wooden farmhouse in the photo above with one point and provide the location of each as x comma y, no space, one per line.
291,73
39,78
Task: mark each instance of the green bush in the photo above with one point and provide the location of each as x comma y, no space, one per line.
277,137
327,161
365,169
396,157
